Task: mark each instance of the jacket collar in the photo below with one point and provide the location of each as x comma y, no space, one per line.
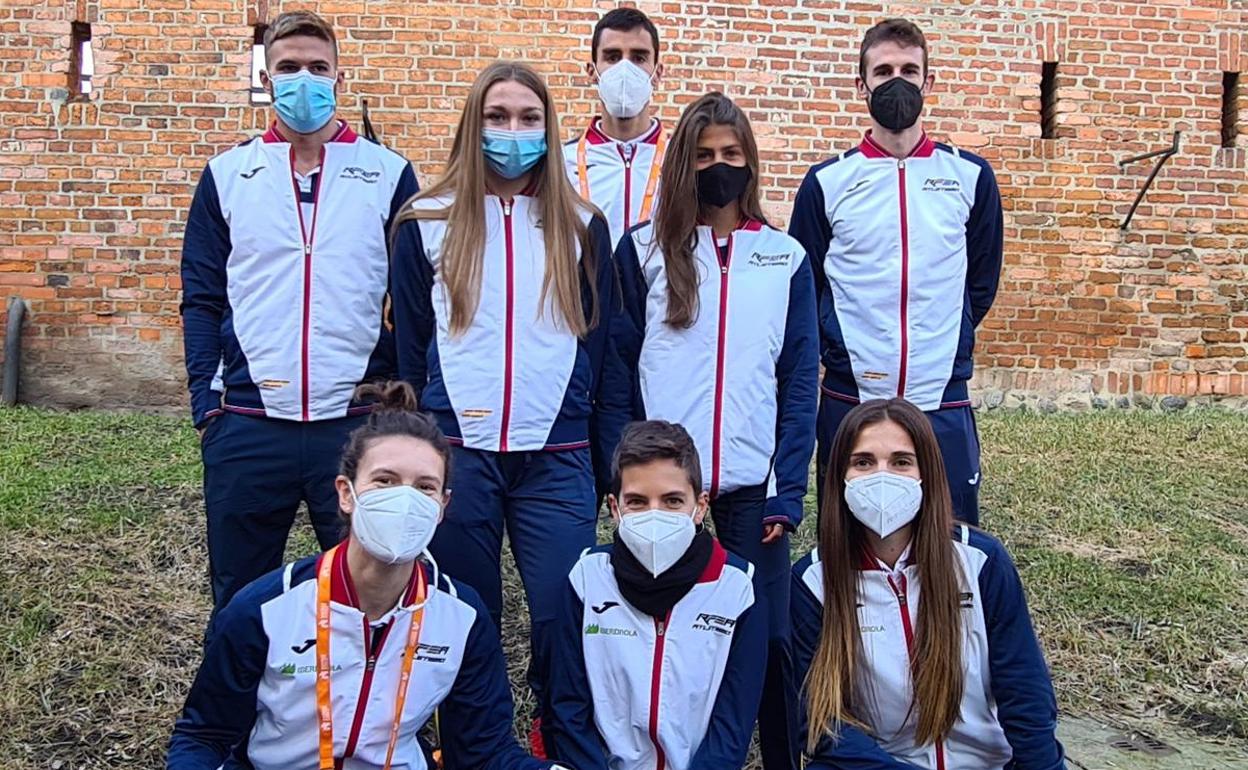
873,149
344,134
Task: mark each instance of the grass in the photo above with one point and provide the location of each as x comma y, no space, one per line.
1130,530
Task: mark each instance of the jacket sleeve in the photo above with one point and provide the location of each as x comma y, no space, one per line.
568,720
403,191
205,250
1021,686
851,749
476,715
727,739
631,334
984,244
220,709
613,380
411,297
797,396
809,225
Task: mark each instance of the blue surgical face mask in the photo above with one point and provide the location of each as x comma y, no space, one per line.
512,153
304,101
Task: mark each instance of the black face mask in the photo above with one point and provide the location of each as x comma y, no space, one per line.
721,184
896,104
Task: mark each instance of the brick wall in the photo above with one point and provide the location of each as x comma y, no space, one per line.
93,194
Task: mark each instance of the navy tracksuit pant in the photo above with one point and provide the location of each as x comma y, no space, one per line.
959,448
545,502
738,517
256,472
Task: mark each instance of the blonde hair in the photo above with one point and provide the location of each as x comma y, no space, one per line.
563,229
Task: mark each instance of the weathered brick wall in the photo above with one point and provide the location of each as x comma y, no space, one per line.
93,195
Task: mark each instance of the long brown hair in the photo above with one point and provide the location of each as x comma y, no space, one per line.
677,213
463,250
936,662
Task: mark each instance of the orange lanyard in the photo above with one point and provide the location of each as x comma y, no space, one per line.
324,707
647,201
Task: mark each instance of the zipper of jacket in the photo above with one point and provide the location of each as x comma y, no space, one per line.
720,354
656,676
508,325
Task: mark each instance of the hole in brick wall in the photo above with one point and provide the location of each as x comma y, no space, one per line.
258,94
1230,108
1048,100
81,60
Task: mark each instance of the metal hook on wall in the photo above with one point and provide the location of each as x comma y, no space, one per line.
1165,156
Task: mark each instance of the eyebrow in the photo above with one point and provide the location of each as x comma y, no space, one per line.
503,108
288,60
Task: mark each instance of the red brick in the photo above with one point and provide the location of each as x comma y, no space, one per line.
98,191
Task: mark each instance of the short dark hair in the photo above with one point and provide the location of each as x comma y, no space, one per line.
300,23
650,440
623,20
903,32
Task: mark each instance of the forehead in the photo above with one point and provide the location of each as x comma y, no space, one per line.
301,49
513,95
883,438
635,39
407,456
890,52
654,477
717,135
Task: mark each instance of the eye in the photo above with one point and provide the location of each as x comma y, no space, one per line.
428,487
640,58
904,462
862,462
532,119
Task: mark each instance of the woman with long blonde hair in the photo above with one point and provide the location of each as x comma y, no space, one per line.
503,289
910,634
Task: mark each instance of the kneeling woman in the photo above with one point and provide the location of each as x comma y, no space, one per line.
309,665
661,641
919,646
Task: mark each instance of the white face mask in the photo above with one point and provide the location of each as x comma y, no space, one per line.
657,538
884,502
394,524
625,89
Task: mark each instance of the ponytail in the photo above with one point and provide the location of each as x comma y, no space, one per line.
395,413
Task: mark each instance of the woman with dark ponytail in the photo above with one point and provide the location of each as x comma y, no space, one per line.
310,664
